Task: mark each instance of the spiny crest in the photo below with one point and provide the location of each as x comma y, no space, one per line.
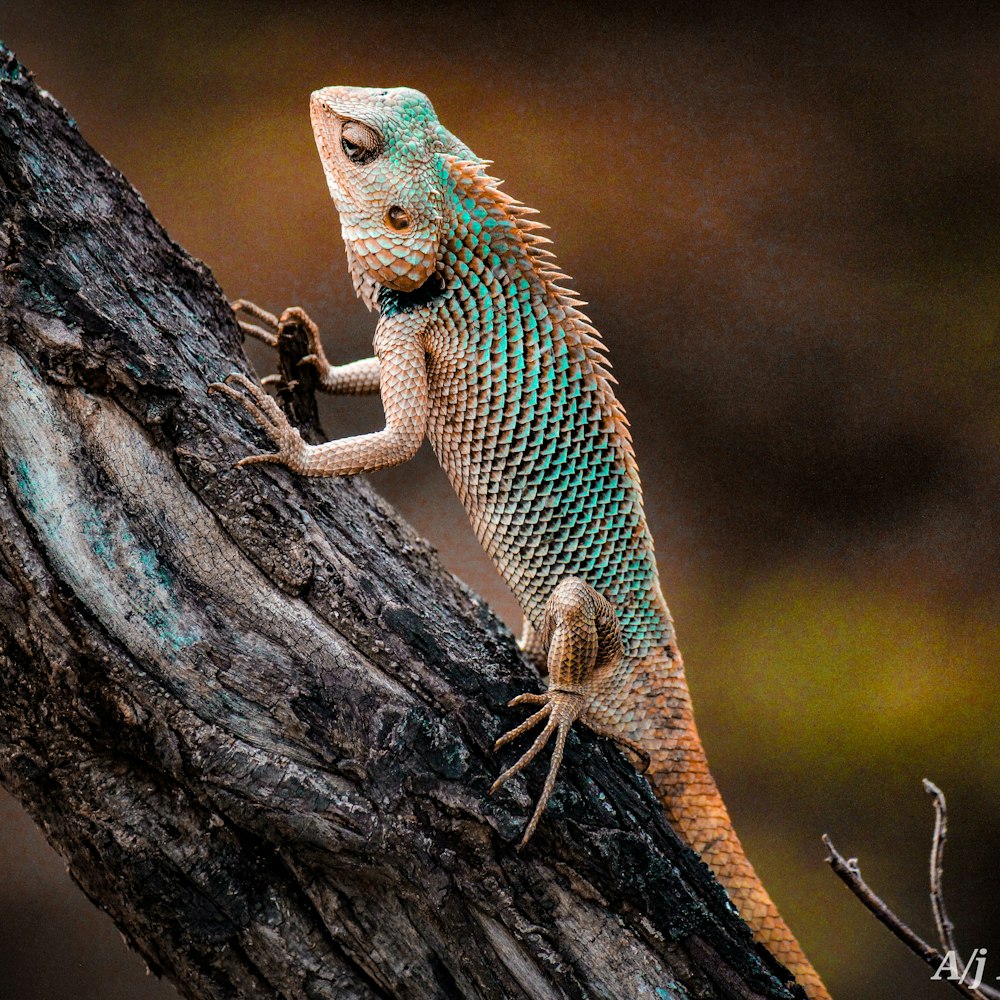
472,180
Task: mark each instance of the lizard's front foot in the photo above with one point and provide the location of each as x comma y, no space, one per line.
268,330
267,413
266,333
560,709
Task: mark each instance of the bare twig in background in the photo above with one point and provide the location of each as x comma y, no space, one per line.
945,927
849,872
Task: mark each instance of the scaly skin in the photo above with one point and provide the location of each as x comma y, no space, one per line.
479,348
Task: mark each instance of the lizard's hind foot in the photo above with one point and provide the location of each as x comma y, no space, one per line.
581,640
561,709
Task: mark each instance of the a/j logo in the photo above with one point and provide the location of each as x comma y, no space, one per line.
951,968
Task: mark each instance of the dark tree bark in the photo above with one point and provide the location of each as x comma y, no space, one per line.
250,710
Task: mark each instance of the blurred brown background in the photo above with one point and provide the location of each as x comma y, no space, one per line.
786,225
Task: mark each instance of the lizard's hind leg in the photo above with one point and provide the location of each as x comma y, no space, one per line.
582,638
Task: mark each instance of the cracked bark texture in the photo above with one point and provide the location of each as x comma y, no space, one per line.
251,711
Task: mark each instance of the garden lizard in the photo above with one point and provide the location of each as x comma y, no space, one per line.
483,348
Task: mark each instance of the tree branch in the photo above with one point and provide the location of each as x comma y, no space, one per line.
251,711
849,872
945,928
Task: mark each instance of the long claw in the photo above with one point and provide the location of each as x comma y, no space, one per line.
528,756
528,723
644,758
530,698
550,782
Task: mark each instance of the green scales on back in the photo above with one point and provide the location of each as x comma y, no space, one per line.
523,415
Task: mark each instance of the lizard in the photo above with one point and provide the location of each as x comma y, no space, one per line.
482,347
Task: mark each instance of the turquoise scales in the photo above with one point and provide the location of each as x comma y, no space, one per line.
480,348
523,419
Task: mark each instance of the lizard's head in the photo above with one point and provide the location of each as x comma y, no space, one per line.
381,152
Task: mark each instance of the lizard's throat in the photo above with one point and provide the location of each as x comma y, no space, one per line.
400,261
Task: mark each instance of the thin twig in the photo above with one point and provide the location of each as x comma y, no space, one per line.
945,928
849,873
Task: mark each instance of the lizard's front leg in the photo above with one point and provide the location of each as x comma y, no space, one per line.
583,639
403,382
357,378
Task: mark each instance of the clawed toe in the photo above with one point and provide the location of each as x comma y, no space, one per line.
561,709
267,414
258,333
529,698
252,309
257,460
268,333
225,389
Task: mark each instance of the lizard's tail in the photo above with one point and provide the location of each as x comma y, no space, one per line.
680,777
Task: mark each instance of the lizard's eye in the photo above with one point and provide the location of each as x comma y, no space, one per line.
397,218
360,143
